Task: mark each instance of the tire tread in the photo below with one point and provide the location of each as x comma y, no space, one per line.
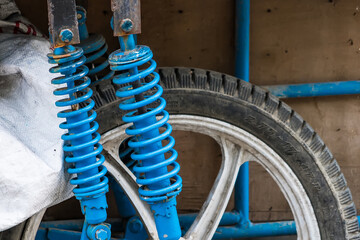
181,77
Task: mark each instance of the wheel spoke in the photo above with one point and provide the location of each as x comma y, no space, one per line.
212,210
126,179
237,147
256,150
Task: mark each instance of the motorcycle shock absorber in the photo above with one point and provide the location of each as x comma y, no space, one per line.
82,140
151,140
95,50
82,148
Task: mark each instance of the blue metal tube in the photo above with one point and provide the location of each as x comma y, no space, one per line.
242,39
315,89
228,218
242,46
83,31
257,230
242,193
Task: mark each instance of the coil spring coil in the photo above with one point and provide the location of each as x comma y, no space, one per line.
94,47
71,65
174,188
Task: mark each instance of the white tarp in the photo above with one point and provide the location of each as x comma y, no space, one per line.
32,174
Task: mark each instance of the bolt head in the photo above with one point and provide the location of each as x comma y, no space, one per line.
126,25
135,225
101,234
66,35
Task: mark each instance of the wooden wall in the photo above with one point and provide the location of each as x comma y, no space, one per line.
292,41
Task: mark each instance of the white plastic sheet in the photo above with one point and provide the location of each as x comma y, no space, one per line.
32,174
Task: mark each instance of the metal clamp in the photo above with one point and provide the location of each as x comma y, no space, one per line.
63,25
127,17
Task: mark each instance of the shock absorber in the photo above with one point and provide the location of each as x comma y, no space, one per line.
95,50
81,139
151,139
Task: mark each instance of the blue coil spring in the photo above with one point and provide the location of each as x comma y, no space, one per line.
130,104
70,64
95,48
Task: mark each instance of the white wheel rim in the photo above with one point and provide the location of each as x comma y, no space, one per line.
238,146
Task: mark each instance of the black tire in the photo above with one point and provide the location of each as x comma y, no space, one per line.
223,97
219,96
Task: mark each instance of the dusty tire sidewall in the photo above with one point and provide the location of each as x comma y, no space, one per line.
262,125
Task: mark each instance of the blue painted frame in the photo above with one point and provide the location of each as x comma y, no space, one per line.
242,64
315,89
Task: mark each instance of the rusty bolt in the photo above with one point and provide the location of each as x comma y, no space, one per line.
126,25
66,35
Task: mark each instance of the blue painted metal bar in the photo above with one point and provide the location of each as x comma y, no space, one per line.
229,218
242,39
60,234
77,224
241,193
72,225
57,234
315,89
257,230
81,17
242,52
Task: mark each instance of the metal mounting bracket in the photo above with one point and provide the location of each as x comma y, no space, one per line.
127,17
63,25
